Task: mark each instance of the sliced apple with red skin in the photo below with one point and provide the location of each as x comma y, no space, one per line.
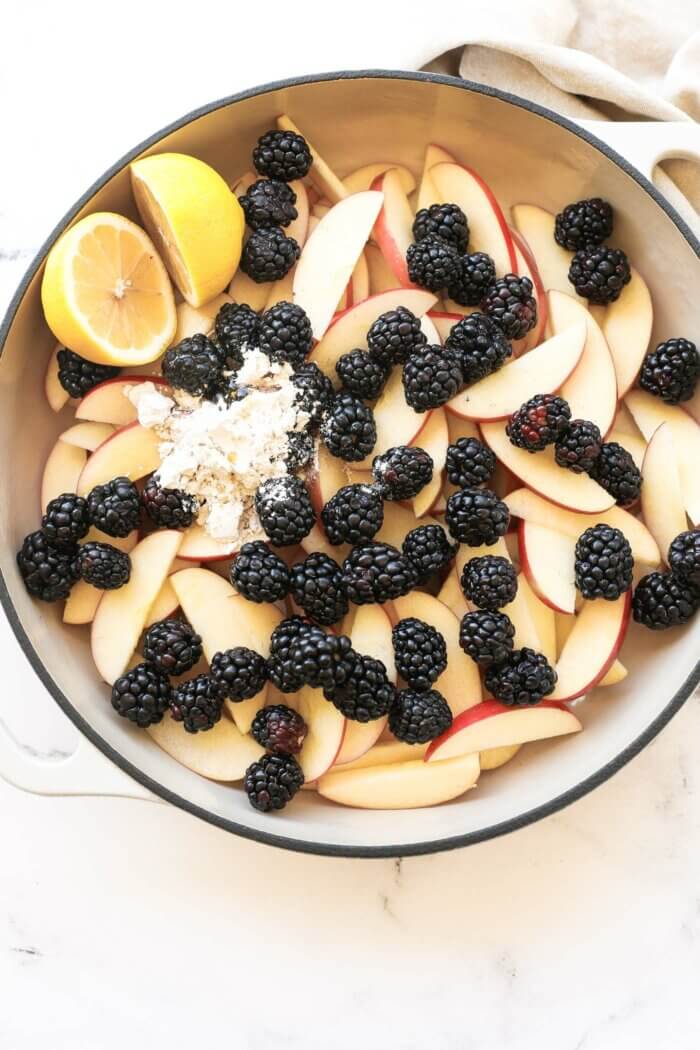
107,402
430,331
197,320
87,435
243,289
122,613
527,267
591,389
399,520
427,193
56,395
444,322
434,440
488,229
541,473
592,646
62,471
401,785
243,183
693,406
131,452
663,507
199,546
363,177
328,479
320,174
299,227
452,595
281,291
548,559
459,683
495,757
384,753
396,422
649,413
536,225
371,636
635,445
317,542
223,753
381,276
627,325
349,330
393,230
490,725
325,732
81,604
359,281
542,371
458,427
330,256
543,618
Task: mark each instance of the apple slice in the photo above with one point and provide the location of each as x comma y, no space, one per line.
537,228
56,396
693,406
87,435
107,402
198,545
444,322
401,785
381,276
370,633
541,473
591,389
243,289
617,673
547,558
433,439
281,291
527,267
349,330
363,177
427,193
317,541
430,331
398,522
397,423
543,618
324,739
533,508
459,683
299,227
662,498
81,604
321,175
490,725
542,371
222,753
62,471
197,320
627,325
329,477
330,256
452,595
649,413
393,230
458,427
359,281
121,614
131,452
495,757
165,605
624,423
385,753
592,646
636,446
488,229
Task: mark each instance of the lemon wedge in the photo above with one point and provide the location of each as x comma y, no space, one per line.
194,219
106,293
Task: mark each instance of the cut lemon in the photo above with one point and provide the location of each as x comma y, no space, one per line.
106,293
194,219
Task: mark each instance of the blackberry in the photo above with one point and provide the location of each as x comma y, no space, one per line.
48,571
524,678
321,660
401,472
366,694
510,303
172,646
617,472
480,344
599,273
239,673
417,718
420,652
394,335
284,509
115,507
282,155
661,600
486,636
268,255
268,202
272,782
142,695
584,223
279,665
300,450
314,392
197,703
78,376
476,273
469,462
432,263
604,563
476,517
168,508
103,566
578,446
279,729
539,422
431,377
316,584
259,574
684,557
377,572
193,365
361,374
285,333
428,549
236,326
66,520
671,372
353,515
349,431
446,221
490,582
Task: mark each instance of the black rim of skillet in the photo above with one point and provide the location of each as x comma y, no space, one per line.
270,838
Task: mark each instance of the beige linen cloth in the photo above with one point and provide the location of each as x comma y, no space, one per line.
590,59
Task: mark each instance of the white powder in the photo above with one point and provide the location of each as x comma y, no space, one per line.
220,453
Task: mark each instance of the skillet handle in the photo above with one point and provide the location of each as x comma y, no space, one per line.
85,772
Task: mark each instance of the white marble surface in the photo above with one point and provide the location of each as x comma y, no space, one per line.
126,922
